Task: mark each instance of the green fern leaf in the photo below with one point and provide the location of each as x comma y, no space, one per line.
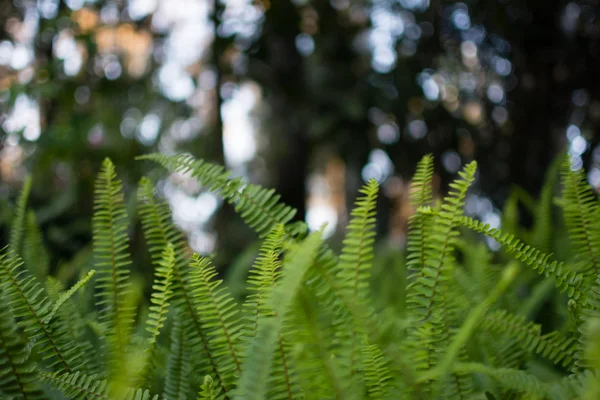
219,314
158,311
552,346
159,231
259,207
35,255
30,305
65,296
261,280
567,281
17,371
420,196
179,364
82,387
377,373
207,390
19,220
254,379
112,260
581,211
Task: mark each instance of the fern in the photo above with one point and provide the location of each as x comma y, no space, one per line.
79,386
567,281
34,253
556,349
30,305
377,373
158,311
17,371
159,232
426,299
257,206
65,296
179,364
207,391
20,219
580,210
220,320
112,260
353,273
420,196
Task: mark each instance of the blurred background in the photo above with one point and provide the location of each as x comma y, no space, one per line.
310,97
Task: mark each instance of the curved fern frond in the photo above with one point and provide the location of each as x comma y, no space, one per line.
557,349
219,314
17,371
159,231
78,386
259,207
86,387
567,281
19,221
581,211
65,296
179,364
112,259
158,310
30,305
73,323
420,195
34,253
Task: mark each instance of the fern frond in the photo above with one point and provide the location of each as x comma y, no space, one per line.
542,226
65,296
158,310
78,386
353,273
207,390
159,231
377,373
219,314
17,371
514,379
567,281
179,364
30,305
581,210
420,195
73,324
85,387
19,220
587,326
259,207
34,253
354,268
257,365
112,260
425,292
552,346
261,280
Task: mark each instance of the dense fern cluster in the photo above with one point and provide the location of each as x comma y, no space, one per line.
312,324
